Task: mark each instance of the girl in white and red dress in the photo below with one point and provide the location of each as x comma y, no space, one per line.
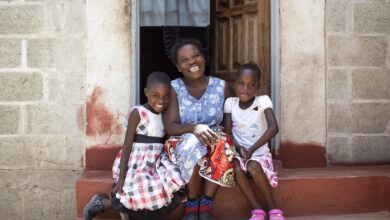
145,181
249,119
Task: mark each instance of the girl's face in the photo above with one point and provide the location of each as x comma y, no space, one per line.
191,62
246,85
158,96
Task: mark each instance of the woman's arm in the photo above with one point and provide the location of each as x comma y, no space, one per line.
227,117
228,90
171,118
173,126
271,131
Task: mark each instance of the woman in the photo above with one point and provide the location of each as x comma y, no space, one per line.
196,107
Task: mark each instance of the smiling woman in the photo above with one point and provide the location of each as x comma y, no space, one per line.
195,109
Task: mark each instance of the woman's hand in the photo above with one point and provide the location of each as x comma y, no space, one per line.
205,134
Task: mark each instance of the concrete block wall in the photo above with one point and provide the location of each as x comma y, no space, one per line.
42,94
358,80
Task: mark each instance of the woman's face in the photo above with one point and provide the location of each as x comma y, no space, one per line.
190,62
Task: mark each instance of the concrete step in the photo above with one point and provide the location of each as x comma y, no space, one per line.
302,192
362,216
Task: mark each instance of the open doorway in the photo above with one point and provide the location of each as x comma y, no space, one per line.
233,32
161,23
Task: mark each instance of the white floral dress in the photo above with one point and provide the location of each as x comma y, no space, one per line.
207,110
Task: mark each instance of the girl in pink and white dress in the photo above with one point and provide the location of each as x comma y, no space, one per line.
249,119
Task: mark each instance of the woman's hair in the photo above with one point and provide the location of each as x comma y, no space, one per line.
182,42
249,66
158,77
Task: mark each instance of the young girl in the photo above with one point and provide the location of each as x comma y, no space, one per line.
145,180
251,122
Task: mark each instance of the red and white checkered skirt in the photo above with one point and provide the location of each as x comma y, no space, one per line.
151,179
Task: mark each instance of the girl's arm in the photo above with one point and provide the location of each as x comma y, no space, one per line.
271,131
133,122
173,126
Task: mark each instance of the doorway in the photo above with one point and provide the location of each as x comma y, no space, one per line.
267,25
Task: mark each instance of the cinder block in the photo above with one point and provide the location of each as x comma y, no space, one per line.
10,204
22,19
356,51
339,118
21,87
52,119
59,179
62,54
370,117
50,204
17,152
335,15
10,53
339,150
337,84
372,17
10,179
9,118
68,87
371,84
75,16
61,153
371,149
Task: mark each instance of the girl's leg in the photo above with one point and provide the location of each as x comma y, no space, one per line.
244,185
124,216
261,181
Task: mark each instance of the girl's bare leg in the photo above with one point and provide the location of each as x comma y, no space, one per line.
124,216
261,181
244,185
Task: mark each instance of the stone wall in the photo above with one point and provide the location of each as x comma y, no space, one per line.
42,91
358,81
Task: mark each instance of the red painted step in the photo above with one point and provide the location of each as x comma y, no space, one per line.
309,191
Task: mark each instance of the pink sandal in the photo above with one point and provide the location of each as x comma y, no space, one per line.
275,214
257,214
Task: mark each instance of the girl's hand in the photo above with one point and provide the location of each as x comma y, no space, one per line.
117,187
240,150
205,134
249,152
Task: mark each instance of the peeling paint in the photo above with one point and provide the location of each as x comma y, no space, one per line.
101,122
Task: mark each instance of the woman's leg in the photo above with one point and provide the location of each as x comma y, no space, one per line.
206,202
261,181
193,186
192,203
244,185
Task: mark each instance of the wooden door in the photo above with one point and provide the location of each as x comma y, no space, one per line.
241,32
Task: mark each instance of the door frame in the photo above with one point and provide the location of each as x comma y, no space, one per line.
274,59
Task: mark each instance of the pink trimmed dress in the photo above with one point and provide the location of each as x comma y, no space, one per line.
248,125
